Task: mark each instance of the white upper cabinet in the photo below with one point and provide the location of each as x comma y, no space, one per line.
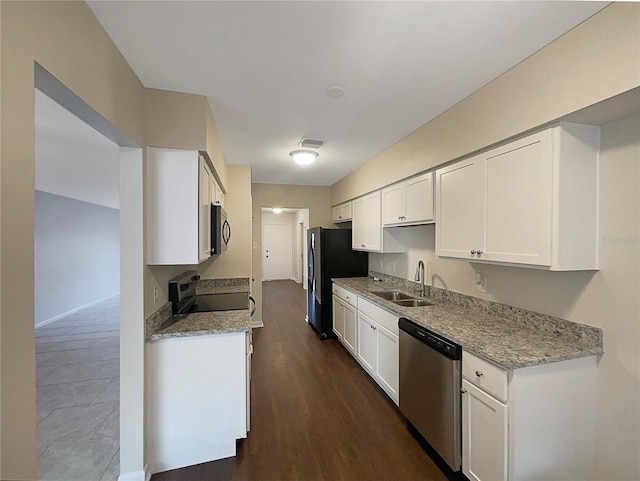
207,191
532,202
217,196
367,232
178,209
342,213
408,202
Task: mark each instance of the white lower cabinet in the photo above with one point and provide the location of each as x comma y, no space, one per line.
338,317
344,317
370,334
197,398
367,355
484,435
350,328
378,349
530,424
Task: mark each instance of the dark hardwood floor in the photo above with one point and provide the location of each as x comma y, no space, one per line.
315,414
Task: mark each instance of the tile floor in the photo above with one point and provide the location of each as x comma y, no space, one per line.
77,382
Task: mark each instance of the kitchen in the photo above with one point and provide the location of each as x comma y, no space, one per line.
606,299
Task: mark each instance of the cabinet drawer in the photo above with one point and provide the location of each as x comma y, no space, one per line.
382,317
346,295
485,375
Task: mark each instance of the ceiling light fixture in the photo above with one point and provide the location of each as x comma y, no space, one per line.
276,210
303,156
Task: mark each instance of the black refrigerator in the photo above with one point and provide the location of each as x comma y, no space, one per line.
329,255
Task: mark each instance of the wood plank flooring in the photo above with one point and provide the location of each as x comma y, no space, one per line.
315,414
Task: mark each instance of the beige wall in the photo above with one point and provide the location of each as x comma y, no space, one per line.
316,199
607,298
595,61
236,261
177,120
66,39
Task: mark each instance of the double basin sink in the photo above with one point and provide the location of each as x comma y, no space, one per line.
402,299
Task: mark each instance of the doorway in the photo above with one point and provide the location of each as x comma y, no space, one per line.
126,315
76,296
278,252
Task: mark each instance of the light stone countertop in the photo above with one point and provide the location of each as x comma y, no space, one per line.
163,325
203,323
525,339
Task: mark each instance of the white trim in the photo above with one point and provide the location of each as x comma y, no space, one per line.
255,324
72,311
143,475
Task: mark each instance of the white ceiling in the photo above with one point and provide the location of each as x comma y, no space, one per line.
72,159
266,67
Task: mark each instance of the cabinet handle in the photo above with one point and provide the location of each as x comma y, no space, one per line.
479,373
463,390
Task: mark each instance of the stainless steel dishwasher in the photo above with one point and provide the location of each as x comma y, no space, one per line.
430,382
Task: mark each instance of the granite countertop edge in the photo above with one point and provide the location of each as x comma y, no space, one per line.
162,324
202,324
503,342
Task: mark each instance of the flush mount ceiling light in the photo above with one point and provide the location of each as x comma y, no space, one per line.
304,156
276,210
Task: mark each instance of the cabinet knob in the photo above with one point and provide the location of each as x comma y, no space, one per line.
463,390
362,245
473,252
479,253
479,373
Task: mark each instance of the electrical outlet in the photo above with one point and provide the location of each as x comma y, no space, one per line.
393,266
481,282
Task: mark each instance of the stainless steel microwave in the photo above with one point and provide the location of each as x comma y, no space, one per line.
220,230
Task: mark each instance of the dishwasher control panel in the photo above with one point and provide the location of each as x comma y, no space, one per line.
450,349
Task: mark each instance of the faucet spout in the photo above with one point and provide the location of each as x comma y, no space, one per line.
419,277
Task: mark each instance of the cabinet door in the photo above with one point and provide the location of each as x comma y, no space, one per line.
387,371
338,317
350,328
373,226
367,343
346,211
419,199
460,209
359,224
484,435
518,192
204,226
393,205
336,214
172,206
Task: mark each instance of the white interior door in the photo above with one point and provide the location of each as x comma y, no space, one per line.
278,252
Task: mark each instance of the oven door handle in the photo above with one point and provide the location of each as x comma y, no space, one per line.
253,302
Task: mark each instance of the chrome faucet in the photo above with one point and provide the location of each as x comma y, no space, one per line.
419,277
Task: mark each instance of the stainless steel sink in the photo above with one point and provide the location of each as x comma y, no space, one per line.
392,295
413,302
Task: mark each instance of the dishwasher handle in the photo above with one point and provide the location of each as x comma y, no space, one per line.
431,339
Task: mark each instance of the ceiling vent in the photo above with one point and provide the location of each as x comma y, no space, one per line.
311,144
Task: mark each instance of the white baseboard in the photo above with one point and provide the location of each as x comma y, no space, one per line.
255,324
72,311
143,475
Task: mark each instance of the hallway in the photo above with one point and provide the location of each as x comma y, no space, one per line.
315,414
77,385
